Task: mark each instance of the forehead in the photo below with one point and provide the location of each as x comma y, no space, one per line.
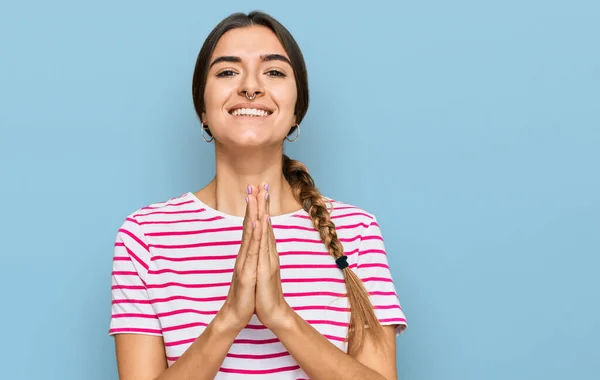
249,42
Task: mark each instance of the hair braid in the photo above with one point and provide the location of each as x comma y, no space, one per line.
362,317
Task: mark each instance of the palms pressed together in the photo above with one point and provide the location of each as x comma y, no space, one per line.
256,283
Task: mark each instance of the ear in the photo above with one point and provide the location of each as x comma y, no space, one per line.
203,118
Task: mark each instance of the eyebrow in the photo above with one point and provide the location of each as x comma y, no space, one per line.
275,57
264,58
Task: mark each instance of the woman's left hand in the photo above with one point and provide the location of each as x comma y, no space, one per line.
271,307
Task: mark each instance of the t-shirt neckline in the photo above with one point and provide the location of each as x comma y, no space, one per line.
240,219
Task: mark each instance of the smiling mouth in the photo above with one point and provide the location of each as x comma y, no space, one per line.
250,112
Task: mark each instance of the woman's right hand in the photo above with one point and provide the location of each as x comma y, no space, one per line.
239,305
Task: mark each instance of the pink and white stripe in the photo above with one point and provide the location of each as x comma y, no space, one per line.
173,263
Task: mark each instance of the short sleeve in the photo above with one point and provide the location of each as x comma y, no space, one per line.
131,310
373,269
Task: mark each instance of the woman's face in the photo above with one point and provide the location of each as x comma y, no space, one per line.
249,60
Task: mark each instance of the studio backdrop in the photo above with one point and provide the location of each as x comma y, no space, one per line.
471,129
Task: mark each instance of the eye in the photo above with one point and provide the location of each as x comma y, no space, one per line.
275,73
226,73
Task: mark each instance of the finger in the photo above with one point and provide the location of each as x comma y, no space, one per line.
262,196
246,231
251,262
264,262
252,202
273,253
268,203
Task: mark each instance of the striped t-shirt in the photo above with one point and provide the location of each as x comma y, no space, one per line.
173,264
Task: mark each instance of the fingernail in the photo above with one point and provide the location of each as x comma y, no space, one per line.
246,199
253,224
249,190
269,220
267,186
267,196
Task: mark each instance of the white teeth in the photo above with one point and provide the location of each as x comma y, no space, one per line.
249,112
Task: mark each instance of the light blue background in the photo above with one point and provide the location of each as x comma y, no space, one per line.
470,128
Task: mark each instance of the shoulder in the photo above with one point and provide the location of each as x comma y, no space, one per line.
344,212
173,205
159,212
136,230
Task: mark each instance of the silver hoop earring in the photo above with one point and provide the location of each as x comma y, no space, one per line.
248,97
205,129
297,133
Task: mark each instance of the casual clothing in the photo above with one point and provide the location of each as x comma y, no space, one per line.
173,264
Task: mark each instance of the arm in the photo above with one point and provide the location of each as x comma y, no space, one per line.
321,360
142,357
139,345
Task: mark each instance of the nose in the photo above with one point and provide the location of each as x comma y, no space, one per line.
250,86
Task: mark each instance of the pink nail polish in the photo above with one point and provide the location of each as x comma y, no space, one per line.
267,186
246,199
253,224
267,196
249,190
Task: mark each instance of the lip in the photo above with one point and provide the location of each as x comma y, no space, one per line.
250,105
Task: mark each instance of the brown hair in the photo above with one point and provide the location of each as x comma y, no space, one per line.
362,317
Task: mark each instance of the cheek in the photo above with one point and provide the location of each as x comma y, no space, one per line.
215,96
285,96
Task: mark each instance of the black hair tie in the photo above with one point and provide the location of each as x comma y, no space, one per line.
342,262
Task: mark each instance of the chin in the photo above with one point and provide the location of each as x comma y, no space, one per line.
248,136
248,140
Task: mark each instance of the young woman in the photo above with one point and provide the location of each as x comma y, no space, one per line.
249,277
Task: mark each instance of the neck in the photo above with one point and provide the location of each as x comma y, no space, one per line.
236,170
